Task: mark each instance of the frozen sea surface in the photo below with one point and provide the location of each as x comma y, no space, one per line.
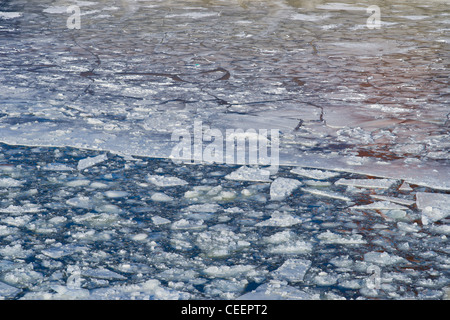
90,207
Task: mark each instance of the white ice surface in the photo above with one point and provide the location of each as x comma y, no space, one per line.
380,205
7,291
366,183
327,194
314,174
89,162
292,270
276,290
281,188
434,206
245,173
165,181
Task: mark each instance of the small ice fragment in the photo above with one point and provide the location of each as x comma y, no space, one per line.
382,258
296,247
228,272
58,251
327,194
405,187
89,162
314,174
77,183
161,197
80,202
9,182
405,202
184,224
292,270
166,181
245,173
332,238
280,220
366,183
57,167
116,194
102,273
281,188
203,208
27,208
275,290
157,220
434,206
139,237
10,15
380,205
108,208
7,291
193,15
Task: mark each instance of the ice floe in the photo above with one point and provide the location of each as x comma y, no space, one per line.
281,188
434,206
250,174
165,181
91,161
366,183
327,194
380,205
292,270
314,173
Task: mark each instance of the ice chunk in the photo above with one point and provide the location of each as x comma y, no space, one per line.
150,289
17,221
7,291
10,15
292,270
367,183
9,183
314,173
58,251
405,202
280,188
193,15
161,197
276,290
15,251
203,208
380,205
405,187
184,224
27,208
332,238
325,279
157,220
57,167
78,183
81,202
139,237
92,161
328,194
165,181
96,220
295,247
434,206
280,220
382,258
229,272
116,194
102,273
245,173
